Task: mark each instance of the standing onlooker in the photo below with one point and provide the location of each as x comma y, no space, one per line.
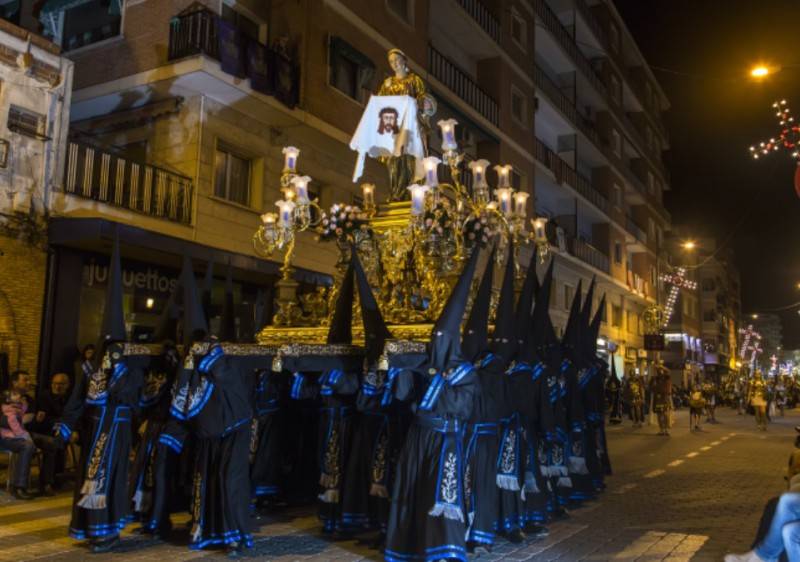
697,404
661,390
757,397
635,393
86,366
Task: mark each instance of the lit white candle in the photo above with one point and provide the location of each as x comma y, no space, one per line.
368,190
503,196
430,164
448,127
300,184
478,168
417,198
290,155
286,210
540,228
520,204
503,176
268,219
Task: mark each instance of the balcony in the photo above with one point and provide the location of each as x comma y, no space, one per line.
108,178
589,254
461,84
483,17
197,32
564,173
635,230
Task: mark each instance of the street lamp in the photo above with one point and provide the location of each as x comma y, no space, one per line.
689,245
760,71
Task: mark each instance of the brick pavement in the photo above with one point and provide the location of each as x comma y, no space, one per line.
693,496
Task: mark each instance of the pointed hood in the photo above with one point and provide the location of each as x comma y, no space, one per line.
113,327
445,347
228,327
341,329
522,318
195,326
375,331
571,339
503,341
540,319
476,330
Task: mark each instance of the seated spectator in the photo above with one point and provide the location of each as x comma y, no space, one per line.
14,438
782,534
49,410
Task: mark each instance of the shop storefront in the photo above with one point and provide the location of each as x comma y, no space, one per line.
78,274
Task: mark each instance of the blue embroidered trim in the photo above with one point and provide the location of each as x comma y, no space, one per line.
297,386
388,387
171,442
238,424
197,408
370,389
214,355
266,490
432,392
224,538
487,360
65,431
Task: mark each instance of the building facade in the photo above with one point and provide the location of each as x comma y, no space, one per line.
181,109
35,90
770,327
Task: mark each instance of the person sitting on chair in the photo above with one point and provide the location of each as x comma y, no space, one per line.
14,438
49,409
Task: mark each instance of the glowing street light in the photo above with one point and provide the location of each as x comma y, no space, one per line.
760,71
689,245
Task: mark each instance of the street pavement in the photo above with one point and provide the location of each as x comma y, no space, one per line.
691,496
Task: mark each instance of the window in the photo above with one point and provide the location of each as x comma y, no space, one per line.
87,23
616,143
687,306
653,277
618,253
613,36
633,324
710,316
402,9
709,285
616,88
651,229
350,71
659,192
26,122
616,316
518,106
519,30
618,196
247,26
231,175
651,183
659,236
516,180
568,293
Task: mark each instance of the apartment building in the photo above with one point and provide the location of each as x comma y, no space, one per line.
684,353
599,172
181,109
721,306
35,89
771,329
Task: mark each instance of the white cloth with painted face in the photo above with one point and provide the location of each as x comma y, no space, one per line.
388,127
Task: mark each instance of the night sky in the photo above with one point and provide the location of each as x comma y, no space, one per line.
703,50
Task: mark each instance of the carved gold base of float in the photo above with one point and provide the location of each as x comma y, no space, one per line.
276,336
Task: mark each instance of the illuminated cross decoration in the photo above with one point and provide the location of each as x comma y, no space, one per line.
747,337
788,138
678,281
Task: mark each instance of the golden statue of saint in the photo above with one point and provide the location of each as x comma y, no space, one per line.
405,83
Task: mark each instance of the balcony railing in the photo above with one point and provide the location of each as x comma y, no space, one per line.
563,172
483,17
589,254
634,229
272,72
463,86
102,176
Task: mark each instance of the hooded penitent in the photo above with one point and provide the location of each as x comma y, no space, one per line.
228,327
195,327
503,341
113,327
341,329
375,331
476,331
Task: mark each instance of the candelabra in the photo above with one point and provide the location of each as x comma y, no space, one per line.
278,231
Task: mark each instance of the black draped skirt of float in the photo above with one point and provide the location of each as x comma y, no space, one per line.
265,471
221,490
414,534
482,492
107,518
365,497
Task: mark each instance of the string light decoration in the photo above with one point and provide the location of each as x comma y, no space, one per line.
774,359
678,281
788,138
751,343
